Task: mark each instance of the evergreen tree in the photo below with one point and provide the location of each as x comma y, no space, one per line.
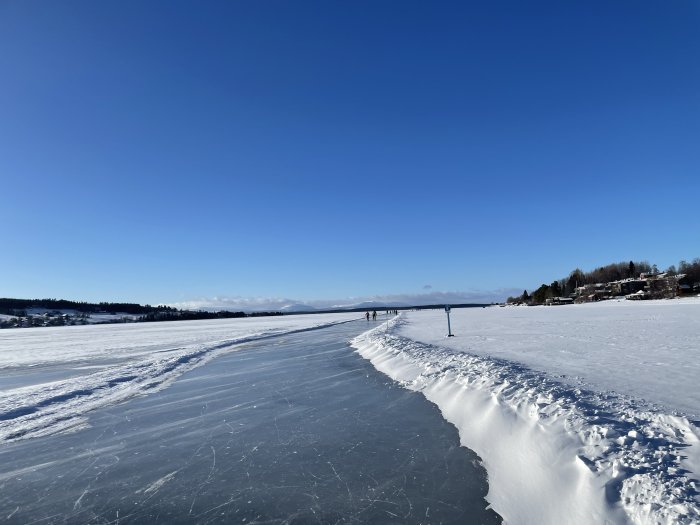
555,289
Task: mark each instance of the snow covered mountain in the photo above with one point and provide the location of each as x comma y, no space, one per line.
299,307
370,305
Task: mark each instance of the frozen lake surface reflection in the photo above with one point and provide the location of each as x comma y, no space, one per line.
295,429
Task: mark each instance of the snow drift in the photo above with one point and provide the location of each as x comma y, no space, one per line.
555,451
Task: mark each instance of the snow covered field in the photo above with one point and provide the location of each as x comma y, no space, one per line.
581,414
50,377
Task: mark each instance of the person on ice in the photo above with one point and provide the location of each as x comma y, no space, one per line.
367,315
374,315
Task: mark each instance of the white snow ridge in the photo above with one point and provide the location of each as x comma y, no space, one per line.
554,452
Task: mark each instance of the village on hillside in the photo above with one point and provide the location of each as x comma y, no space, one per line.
633,280
646,286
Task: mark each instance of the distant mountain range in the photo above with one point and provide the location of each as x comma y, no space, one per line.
292,308
370,305
366,305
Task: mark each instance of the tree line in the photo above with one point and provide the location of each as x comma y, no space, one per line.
19,307
191,315
10,306
604,274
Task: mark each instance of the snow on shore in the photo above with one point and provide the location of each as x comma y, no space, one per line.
50,377
581,414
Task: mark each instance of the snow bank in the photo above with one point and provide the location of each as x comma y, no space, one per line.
556,450
112,363
645,349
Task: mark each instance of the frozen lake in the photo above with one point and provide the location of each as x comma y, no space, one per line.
290,429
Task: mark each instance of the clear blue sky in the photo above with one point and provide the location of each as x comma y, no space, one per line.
165,151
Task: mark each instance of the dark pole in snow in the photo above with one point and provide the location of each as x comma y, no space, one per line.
449,328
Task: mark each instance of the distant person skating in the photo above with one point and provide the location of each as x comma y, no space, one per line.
367,315
374,315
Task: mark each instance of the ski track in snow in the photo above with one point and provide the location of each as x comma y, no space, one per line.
554,452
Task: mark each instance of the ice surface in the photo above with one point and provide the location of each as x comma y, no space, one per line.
294,429
551,399
581,414
52,376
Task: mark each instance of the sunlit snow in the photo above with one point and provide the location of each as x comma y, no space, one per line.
581,413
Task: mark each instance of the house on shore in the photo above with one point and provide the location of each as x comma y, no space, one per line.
627,286
648,286
558,300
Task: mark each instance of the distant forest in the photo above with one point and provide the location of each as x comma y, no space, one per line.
189,315
605,274
18,307
9,306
